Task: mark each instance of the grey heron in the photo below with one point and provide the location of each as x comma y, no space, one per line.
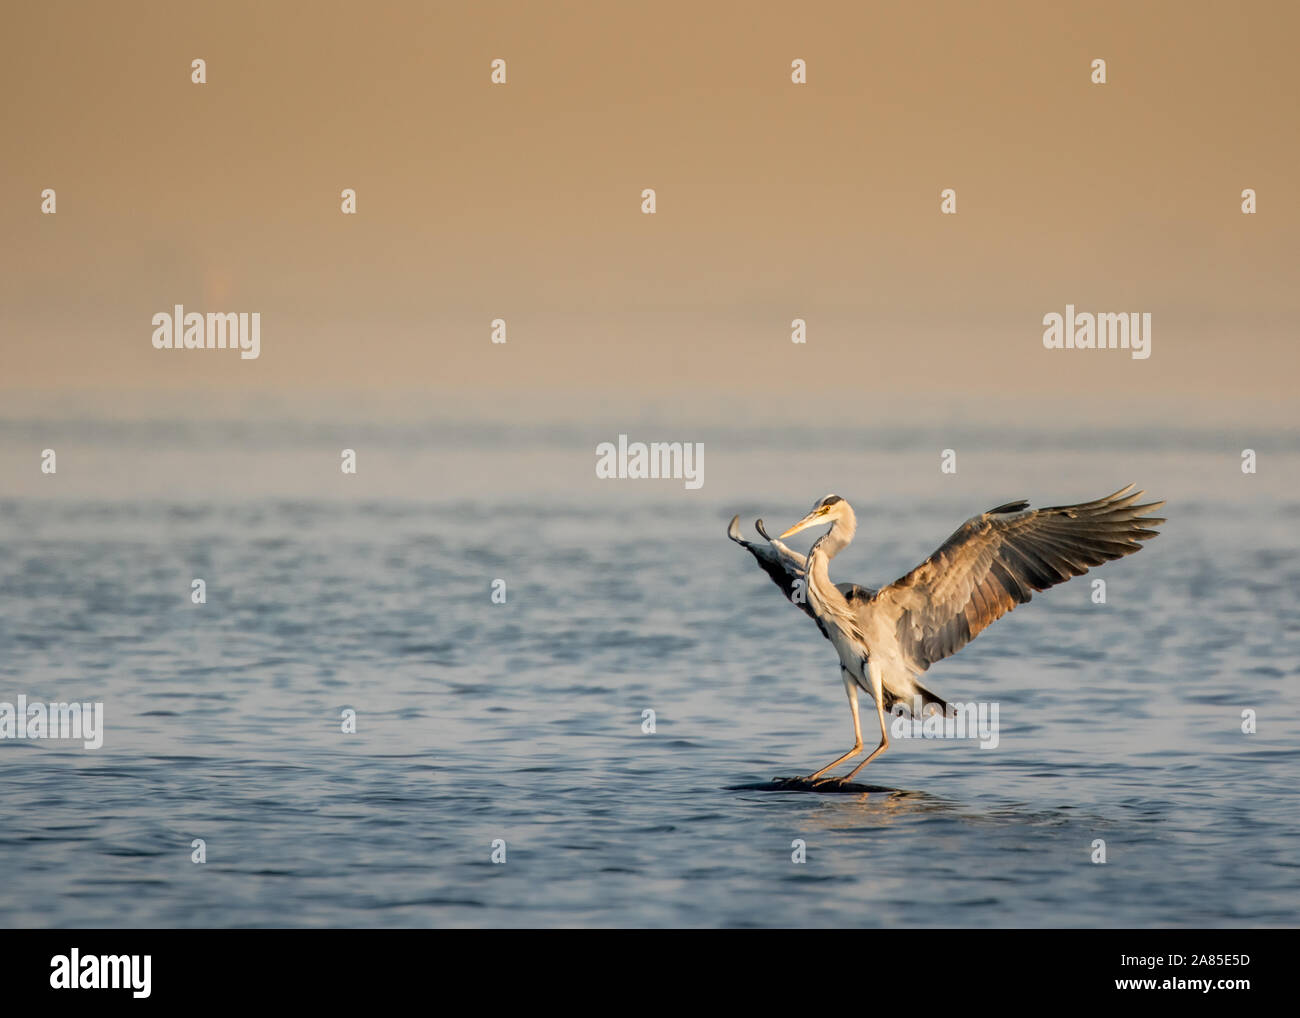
994,561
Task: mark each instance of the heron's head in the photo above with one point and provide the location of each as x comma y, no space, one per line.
831,509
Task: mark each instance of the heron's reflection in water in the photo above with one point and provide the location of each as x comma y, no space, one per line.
849,807
859,807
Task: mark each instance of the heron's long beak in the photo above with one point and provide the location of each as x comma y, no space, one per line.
811,520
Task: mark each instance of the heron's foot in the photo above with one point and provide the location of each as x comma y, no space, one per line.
798,782
810,782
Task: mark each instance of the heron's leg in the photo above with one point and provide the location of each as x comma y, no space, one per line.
850,687
879,693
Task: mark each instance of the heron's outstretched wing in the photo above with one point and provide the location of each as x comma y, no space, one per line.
785,567
996,561
788,568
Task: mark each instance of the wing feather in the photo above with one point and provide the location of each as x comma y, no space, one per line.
997,560
785,567
779,562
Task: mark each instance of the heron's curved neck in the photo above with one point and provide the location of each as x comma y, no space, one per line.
823,596
841,533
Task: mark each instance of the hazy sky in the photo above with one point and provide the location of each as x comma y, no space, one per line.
775,201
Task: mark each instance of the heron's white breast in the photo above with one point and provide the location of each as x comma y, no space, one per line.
850,650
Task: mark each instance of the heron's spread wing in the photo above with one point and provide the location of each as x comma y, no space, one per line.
996,561
784,566
787,567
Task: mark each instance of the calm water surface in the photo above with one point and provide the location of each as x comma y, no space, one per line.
479,721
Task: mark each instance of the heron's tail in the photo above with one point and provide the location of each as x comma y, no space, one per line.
906,698
928,698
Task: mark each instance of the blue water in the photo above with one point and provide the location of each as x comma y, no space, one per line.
522,721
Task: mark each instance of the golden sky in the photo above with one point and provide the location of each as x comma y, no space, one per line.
775,201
